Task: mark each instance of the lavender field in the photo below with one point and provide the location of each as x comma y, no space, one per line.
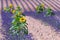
39,26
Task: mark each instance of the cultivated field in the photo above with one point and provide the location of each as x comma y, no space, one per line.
39,26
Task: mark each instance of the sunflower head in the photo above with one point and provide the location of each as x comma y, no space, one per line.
13,11
11,6
37,7
42,5
22,19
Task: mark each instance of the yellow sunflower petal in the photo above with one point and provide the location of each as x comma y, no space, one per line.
13,11
42,5
19,13
11,6
36,7
23,19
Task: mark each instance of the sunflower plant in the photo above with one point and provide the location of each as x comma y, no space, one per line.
8,9
49,12
18,23
40,8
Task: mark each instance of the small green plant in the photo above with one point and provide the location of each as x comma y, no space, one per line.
40,8
19,21
49,12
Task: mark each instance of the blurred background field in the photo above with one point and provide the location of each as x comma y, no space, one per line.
39,26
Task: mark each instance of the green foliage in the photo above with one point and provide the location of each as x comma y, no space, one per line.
26,31
7,9
49,12
18,8
17,26
40,8
19,22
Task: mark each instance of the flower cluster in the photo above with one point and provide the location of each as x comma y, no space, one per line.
19,20
48,10
40,8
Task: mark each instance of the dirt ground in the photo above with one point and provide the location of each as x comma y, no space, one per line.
39,26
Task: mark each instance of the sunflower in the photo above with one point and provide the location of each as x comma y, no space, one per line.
22,19
19,13
37,7
11,6
13,11
42,5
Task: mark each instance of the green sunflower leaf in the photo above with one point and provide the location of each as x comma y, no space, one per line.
25,31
